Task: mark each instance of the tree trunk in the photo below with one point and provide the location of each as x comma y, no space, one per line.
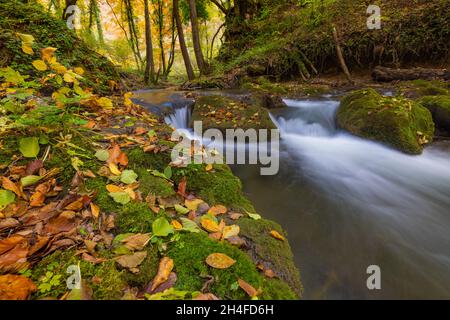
150,64
384,74
68,4
184,51
341,56
202,66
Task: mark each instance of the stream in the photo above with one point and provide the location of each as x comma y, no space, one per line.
348,203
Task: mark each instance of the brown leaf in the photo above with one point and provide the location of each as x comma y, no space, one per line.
248,288
164,269
269,273
15,287
90,245
277,235
131,261
14,257
123,159
236,241
38,245
87,257
219,261
62,223
9,243
235,215
76,205
140,131
114,154
182,187
136,241
8,223
33,166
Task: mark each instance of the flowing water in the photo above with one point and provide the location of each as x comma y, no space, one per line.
349,203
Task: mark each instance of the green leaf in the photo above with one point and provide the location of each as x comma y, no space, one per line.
120,197
102,155
29,147
168,172
156,173
189,225
6,197
254,216
161,227
29,180
181,209
76,163
151,133
128,176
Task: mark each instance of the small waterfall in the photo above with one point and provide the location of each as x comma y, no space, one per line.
180,118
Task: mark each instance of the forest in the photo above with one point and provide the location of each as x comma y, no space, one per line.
116,181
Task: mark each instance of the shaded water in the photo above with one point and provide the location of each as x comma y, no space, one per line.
348,203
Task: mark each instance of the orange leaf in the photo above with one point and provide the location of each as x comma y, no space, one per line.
182,187
37,199
9,185
251,291
123,159
210,225
114,154
140,131
164,270
176,225
277,235
218,209
15,287
95,210
113,188
9,243
219,261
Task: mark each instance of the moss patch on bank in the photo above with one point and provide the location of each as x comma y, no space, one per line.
398,122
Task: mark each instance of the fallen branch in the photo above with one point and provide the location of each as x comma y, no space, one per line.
384,74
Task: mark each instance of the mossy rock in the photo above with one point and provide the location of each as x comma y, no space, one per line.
220,112
272,253
189,254
134,217
110,287
218,186
439,107
394,121
138,159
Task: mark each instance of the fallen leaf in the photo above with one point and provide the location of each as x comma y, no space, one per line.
230,231
220,261
37,199
192,204
210,225
33,166
15,259
277,235
209,167
47,53
114,169
176,225
248,288
161,227
206,296
15,287
235,215
217,210
39,65
164,270
182,187
91,259
9,185
113,188
136,241
64,222
9,243
132,261
95,210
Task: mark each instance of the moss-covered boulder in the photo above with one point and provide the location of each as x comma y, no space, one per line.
439,107
221,112
394,121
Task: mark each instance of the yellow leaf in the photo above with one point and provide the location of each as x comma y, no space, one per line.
95,210
164,270
113,188
209,167
27,49
114,169
210,225
104,102
39,65
277,235
248,288
68,77
192,204
47,54
79,71
26,38
217,210
59,68
230,231
220,261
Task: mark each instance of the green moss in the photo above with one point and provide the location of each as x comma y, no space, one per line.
110,287
134,217
102,198
218,186
276,254
430,88
147,269
189,255
439,107
138,159
156,185
275,289
218,111
395,121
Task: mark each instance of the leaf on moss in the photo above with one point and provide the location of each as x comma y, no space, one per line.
219,261
161,227
29,147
